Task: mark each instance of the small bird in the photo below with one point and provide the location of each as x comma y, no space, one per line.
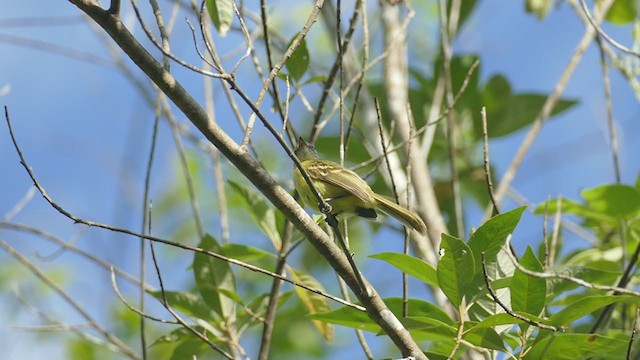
344,190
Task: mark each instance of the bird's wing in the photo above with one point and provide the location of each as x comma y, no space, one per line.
340,177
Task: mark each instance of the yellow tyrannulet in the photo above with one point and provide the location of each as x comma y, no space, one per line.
344,190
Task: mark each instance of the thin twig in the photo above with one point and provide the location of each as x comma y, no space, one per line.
601,32
442,116
447,30
504,307
122,347
178,318
407,233
622,283
217,165
173,57
78,220
62,326
274,86
578,281
633,333
140,312
555,235
67,246
17,208
487,165
458,341
276,68
193,199
611,126
276,285
335,68
545,221
145,201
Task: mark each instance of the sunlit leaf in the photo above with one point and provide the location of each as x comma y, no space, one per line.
623,12
454,268
298,63
261,212
221,14
211,275
186,302
410,265
568,346
313,302
528,293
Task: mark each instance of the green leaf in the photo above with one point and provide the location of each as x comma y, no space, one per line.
221,14
567,346
497,320
623,12
350,317
189,349
571,207
298,63
313,302
81,349
454,268
411,266
211,276
261,212
186,302
496,93
491,236
619,201
244,253
539,7
528,294
485,337
519,111
585,306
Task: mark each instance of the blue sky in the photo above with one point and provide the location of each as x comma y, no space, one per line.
86,133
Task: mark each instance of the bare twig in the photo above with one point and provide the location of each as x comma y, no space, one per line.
611,126
143,226
555,235
78,220
550,275
178,318
622,283
67,246
504,307
59,326
487,165
193,199
140,312
276,68
601,32
337,64
276,285
20,204
633,334
168,54
121,346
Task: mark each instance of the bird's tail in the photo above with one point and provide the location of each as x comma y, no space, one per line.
403,215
